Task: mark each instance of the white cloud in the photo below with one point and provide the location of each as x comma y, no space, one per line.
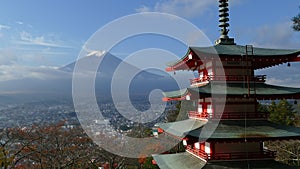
290,80
2,27
144,9
19,22
184,8
7,57
282,74
17,72
28,39
15,79
278,35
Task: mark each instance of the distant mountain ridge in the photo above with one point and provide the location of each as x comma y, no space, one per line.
60,86
108,65
143,83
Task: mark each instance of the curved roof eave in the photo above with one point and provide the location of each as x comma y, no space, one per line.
238,51
262,91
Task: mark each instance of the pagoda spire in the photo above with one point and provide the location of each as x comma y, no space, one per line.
223,14
223,24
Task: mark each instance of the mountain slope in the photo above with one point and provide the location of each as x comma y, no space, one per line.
141,84
50,83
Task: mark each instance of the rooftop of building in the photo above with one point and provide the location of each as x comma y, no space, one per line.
239,130
230,130
188,161
262,91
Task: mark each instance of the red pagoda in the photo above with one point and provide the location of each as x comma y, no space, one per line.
238,130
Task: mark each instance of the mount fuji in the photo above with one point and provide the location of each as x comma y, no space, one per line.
56,84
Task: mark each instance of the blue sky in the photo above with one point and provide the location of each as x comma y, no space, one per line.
38,34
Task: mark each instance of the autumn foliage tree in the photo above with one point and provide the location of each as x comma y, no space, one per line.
10,149
5,160
53,146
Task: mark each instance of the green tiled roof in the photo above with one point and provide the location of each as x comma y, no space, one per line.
239,129
178,161
256,164
175,94
236,50
261,90
239,50
275,56
188,161
179,128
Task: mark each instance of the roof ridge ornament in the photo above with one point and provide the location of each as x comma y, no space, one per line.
223,24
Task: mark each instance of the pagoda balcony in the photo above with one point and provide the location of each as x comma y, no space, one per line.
264,154
200,80
198,115
241,115
206,79
228,115
198,153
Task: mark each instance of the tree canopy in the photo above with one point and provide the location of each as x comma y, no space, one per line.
296,22
282,113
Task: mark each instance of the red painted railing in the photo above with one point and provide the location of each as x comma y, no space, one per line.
264,154
258,78
242,115
197,152
198,115
200,80
228,115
